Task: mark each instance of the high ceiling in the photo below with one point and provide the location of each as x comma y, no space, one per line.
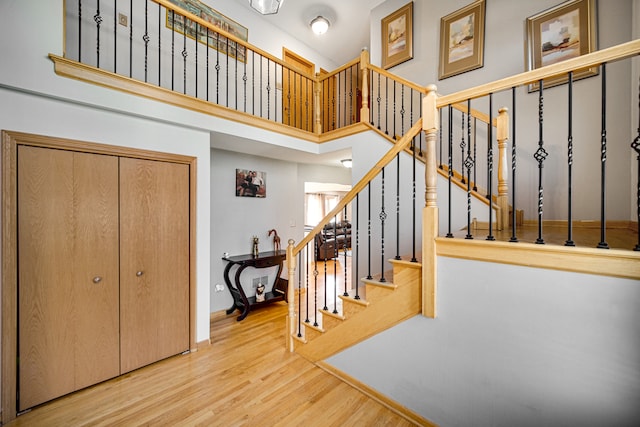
347,35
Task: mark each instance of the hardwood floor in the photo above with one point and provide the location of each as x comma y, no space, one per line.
246,377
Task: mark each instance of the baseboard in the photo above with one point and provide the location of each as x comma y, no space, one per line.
374,394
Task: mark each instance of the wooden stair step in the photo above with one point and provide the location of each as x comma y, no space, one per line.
351,306
330,319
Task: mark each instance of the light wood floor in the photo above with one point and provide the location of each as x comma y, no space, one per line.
245,377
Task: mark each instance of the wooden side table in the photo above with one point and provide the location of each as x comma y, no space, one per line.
241,302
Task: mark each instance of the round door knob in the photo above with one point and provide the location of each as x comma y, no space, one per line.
97,279
139,273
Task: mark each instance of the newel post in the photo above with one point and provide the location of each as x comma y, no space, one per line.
502,130
291,316
430,211
364,68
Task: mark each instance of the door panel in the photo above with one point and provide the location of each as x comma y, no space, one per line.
297,92
67,237
154,266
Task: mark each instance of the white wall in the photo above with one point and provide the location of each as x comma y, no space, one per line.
504,56
537,347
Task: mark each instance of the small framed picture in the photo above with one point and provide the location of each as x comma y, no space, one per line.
565,31
251,183
462,40
397,37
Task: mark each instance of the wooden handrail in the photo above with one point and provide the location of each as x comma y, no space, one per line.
373,172
405,82
611,54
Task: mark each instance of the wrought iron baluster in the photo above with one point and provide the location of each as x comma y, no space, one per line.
79,30
440,139
402,110
335,265
207,66
386,106
635,145
468,164
235,78
217,68
449,167
347,245
462,147
195,48
159,44
513,238
569,241
226,70
369,231
603,162
540,156
173,45
378,99
98,20
475,154
398,206
490,168
115,37
356,252
383,217
315,283
184,56
130,36
244,80
146,40
395,134
260,89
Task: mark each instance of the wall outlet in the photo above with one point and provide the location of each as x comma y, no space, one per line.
123,19
219,287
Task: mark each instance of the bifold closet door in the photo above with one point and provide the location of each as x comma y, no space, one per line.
154,261
68,284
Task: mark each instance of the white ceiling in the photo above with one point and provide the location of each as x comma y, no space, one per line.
347,35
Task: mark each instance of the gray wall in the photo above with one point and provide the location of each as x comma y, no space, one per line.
536,347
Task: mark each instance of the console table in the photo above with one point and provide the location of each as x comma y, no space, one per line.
265,259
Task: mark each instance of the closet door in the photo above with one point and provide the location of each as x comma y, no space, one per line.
68,272
154,261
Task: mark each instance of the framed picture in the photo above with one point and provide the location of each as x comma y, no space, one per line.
397,37
562,32
462,40
199,32
251,183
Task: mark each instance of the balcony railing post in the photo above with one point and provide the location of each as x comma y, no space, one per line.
291,316
364,64
430,212
502,131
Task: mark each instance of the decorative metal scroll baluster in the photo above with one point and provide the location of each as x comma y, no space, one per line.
299,295
173,45
369,231
306,272
383,218
207,71
217,68
98,20
402,110
635,145
335,265
468,164
253,82
115,39
462,146
347,239
159,44
356,252
395,134
146,40
603,162
540,156
490,167
449,166
130,36
386,106
226,69
413,199
569,241
398,206
260,88
275,84
315,283
235,75
79,30
184,57
378,99
513,238
325,307
244,82
475,154
195,48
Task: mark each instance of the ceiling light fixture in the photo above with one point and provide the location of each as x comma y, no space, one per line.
266,7
347,163
320,25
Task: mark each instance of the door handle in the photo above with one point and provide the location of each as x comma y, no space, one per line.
139,273
97,279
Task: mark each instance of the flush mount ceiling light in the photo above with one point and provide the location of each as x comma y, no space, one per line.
320,25
266,7
347,163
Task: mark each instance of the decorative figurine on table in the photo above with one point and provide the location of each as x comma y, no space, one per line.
260,292
256,241
276,239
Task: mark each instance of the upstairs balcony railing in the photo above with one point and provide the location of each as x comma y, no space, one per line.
167,47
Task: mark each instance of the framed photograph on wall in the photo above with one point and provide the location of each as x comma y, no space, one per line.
565,31
397,37
251,183
462,40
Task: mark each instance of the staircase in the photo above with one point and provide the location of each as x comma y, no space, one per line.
385,304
